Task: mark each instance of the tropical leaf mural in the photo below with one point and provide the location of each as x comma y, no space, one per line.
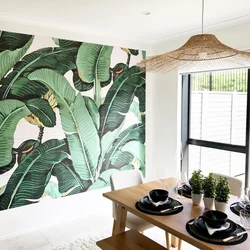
36,167
11,111
96,68
119,98
13,46
77,123
70,116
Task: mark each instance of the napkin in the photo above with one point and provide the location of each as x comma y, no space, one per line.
212,230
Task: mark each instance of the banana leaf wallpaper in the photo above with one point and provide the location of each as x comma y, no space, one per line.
71,114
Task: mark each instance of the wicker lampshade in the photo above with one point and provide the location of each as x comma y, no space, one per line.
200,52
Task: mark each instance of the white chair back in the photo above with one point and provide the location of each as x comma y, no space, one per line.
234,184
124,179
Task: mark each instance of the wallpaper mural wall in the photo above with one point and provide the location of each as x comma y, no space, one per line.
72,87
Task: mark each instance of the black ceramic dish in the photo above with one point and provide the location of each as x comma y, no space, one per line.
185,191
215,218
196,227
236,207
145,206
200,225
158,195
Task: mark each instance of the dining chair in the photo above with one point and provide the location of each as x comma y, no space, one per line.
125,179
234,183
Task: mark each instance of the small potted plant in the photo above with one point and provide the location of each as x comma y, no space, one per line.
209,187
222,194
197,187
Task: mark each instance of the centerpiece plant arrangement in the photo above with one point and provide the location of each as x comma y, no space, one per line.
72,87
197,186
209,188
222,193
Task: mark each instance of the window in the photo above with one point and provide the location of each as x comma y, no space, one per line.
215,121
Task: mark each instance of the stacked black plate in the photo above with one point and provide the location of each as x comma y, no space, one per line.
237,206
197,228
186,191
144,205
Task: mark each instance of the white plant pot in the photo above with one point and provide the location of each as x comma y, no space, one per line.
196,198
220,206
208,203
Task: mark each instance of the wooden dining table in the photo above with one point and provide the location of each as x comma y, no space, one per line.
174,224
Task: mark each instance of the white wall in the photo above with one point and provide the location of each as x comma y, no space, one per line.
162,132
163,124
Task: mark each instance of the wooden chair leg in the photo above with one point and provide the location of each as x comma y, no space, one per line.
113,230
167,240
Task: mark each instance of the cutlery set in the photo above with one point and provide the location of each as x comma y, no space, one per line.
170,209
233,236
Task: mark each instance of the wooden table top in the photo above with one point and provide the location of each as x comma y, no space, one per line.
174,224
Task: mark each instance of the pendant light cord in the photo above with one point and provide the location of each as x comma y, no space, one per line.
202,17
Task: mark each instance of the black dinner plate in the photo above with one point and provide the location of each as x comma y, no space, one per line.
200,224
186,191
235,208
196,229
144,205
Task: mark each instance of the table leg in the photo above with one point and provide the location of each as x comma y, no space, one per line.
174,241
120,223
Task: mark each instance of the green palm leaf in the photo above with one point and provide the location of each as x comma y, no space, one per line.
93,64
17,83
137,149
119,98
42,109
52,190
140,93
26,148
8,167
77,123
93,111
120,159
27,183
135,132
12,47
103,180
79,84
11,111
69,181
66,43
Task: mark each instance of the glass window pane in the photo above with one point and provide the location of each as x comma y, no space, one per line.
218,104
215,160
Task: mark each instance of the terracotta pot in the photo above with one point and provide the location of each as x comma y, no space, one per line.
220,206
208,203
196,198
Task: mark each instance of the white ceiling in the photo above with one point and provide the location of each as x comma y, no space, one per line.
123,19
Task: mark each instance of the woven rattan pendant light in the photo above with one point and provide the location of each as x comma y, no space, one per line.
200,52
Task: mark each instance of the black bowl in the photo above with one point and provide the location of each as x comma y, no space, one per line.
190,182
158,195
215,218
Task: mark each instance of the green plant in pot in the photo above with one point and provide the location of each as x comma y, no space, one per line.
209,188
197,186
222,193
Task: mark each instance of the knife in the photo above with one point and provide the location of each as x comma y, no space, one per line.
172,208
233,236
